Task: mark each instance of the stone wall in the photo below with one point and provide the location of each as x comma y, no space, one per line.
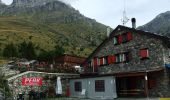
162,85
156,59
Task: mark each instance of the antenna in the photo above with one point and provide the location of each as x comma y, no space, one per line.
124,18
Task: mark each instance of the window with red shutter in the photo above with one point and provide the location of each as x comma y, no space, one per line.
129,36
144,53
101,61
122,57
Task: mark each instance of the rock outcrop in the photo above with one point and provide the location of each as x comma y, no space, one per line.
30,3
160,24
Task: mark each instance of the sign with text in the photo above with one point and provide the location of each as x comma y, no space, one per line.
32,81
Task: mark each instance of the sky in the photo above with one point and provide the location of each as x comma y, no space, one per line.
110,12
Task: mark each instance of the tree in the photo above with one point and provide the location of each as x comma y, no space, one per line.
59,50
49,55
10,51
27,50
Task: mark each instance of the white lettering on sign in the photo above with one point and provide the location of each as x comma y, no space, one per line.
32,81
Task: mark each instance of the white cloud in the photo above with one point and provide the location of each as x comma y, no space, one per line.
8,2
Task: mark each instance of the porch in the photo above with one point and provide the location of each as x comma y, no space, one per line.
136,84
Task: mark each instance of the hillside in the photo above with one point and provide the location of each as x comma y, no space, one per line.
160,24
48,23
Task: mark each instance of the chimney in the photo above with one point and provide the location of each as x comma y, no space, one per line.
133,23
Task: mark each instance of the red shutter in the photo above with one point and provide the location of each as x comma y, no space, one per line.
129,36
95,61
144,53
95,65
120,39
101,61
111,59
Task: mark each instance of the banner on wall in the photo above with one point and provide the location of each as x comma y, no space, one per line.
32,81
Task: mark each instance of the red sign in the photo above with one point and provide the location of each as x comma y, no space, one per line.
32,81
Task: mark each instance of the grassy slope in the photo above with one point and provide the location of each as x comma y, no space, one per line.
46,27
75,38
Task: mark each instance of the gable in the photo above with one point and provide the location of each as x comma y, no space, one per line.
121,30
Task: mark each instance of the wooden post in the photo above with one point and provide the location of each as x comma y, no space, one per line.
146,85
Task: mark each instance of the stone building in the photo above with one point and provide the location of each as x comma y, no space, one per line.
138,60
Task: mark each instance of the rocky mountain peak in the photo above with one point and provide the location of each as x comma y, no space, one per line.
30,3
160,24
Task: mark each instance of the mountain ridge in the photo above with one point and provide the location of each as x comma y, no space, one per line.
160,24
53,23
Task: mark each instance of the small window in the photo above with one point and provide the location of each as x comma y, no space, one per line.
117,58
115,40
124,38
144,53
105,61
101,61
78,86
123,57
99,86
128,56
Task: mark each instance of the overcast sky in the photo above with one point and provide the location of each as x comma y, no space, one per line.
110,12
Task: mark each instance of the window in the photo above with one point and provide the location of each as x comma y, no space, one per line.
78,86
123,57
123,38
115,40
103,61
144,53
128,56
99,86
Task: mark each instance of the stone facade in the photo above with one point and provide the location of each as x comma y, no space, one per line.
158,57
